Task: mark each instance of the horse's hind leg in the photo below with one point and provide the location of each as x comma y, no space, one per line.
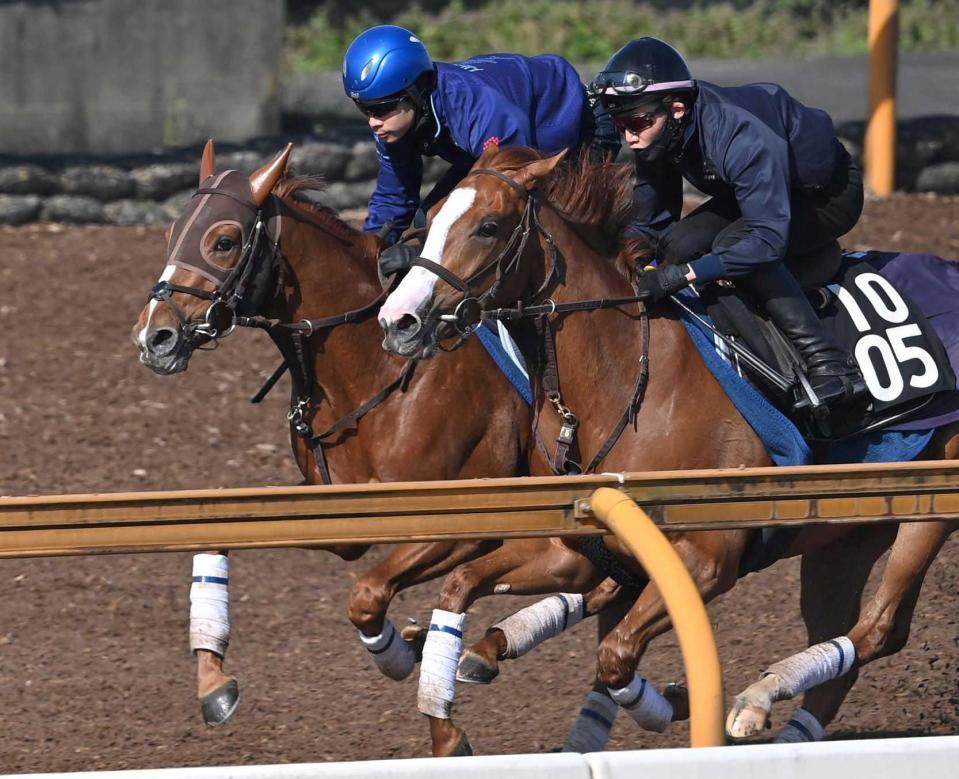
832,581
882,629
405,566
529,567
219,693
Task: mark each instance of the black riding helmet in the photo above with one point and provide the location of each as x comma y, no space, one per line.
644,69
647,71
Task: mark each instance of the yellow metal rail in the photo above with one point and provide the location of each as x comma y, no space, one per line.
489,508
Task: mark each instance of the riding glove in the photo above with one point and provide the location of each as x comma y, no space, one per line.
658,283
396,258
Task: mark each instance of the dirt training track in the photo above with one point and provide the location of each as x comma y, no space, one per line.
94,667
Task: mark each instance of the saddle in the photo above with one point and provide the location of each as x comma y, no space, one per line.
867,311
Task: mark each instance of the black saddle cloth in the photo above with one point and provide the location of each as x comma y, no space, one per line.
900,353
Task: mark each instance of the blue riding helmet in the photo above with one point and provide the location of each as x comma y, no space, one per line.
385,62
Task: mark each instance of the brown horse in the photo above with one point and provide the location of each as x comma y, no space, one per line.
519,216
228,243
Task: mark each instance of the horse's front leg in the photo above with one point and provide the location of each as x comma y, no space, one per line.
594,723
405,566
882,630
528,567
219,693
516,635
712,559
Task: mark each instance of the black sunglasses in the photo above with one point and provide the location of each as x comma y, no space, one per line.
636,123
382,109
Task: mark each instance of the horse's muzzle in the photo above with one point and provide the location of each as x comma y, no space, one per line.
404,337
161,350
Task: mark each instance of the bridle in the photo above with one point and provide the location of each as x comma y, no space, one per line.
468,312
232,284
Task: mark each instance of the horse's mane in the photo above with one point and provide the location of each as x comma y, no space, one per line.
595,198
296,192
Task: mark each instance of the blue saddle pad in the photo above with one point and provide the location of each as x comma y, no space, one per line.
507,358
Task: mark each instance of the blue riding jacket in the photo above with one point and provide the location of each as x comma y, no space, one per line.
508,98
755,145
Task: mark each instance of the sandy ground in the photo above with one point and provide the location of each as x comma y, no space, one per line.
94,667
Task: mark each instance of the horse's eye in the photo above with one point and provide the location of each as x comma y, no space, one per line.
488,229
224,244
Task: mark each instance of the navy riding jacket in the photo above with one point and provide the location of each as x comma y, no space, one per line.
753,144
506,98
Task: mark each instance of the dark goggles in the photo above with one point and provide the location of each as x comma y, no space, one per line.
382,108
636,122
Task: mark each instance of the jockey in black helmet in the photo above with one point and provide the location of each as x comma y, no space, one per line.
782,188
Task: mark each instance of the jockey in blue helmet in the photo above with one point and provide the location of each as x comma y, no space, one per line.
782,189
417,107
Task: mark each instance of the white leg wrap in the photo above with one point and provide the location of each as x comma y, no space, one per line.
591,730
392,655
812,667
541,621
210,603
802,727
441,653
645,704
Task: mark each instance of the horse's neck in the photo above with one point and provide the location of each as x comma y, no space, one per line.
325,277
588,276
599,353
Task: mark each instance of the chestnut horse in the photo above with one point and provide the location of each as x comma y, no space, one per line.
502,217
228,243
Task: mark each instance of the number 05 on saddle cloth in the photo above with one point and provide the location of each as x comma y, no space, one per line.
898,315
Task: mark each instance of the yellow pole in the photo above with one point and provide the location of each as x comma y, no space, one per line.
647,543
880,141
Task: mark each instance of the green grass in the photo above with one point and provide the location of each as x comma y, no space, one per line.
591,32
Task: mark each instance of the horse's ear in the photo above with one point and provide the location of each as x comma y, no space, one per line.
208,163
535,172
263,180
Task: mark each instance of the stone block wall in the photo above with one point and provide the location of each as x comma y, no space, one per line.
152,189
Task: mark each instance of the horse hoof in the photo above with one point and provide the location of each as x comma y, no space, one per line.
463,748
219,705
745,721
678,697
473,668
415,636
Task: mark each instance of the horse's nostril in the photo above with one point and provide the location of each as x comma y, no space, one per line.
162,341
408,324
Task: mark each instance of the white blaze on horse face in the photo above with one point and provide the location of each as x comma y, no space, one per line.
167,274
418,285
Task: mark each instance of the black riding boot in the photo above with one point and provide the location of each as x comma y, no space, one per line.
833,375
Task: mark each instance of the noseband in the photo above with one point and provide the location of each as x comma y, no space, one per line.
232,284
468,313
